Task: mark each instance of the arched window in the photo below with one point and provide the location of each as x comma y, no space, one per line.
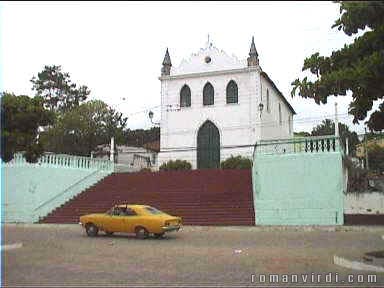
280,119
232,92
268,104
208,94
185,96
289,124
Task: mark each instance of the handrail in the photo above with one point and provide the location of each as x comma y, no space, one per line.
66,190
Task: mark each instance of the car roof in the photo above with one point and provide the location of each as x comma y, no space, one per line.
132,205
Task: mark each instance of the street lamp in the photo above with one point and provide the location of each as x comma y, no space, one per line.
150,115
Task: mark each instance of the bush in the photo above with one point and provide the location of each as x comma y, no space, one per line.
146,169
237,162
175,165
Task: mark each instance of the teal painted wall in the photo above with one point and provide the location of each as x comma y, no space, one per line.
298,188
33,190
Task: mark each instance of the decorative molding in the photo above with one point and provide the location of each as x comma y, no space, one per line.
212,73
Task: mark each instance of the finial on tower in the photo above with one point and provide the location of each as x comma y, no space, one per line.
166,69
253,59
208,43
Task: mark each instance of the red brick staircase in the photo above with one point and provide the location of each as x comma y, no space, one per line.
201,197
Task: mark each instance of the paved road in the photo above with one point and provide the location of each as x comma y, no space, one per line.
64,255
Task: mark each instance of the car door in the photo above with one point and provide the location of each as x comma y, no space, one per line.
131,220
114,222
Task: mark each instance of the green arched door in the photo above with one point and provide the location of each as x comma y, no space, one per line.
208,146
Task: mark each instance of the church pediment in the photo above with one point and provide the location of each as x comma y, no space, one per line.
208,59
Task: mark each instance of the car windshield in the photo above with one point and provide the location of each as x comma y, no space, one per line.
153,210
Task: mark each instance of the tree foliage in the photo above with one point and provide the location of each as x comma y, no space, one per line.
327,127
357,67
376,158
237,162
57,89
80,130
139,137
175,165
301,134
21,118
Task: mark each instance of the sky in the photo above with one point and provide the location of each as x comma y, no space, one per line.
116,48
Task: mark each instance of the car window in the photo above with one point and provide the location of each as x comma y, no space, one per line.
130,212
153,210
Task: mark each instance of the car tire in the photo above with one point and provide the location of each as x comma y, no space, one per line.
91,230
158,235
141,233
108,233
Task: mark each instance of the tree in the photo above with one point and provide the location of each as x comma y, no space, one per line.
376,158
21,118
358,67
327,127
139,137
237,162
80,130
57,90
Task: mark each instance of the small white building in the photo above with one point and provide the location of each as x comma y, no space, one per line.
214,105
130,158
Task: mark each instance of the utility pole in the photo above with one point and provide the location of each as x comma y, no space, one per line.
111,156
366,149
336,122
346,146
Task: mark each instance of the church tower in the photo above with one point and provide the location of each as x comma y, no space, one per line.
166,69
253,59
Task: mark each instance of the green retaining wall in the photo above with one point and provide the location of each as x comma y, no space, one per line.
298,184
32,191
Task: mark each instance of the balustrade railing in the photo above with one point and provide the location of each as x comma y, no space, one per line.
68,161
316,144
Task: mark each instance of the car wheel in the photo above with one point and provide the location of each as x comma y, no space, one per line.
158,235
141,232
108,233
91,230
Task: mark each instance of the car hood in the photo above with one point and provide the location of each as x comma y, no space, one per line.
94,215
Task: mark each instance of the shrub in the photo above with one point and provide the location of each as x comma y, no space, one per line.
175,165
146,169
237,162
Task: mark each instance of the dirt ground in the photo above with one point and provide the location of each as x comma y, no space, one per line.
64,255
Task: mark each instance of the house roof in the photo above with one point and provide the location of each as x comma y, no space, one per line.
265,75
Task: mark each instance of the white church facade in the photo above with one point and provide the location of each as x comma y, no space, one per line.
214,105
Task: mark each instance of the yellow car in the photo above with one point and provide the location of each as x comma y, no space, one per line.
139,219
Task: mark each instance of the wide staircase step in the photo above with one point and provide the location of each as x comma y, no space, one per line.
200,197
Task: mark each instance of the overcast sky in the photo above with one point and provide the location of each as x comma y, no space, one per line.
116,48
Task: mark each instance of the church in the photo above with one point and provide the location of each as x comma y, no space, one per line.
214,105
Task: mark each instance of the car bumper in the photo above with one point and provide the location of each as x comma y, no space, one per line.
171,228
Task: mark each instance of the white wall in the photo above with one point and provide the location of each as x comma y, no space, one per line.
365,203
236,122
271,127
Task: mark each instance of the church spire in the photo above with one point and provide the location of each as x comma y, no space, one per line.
253,59
166,69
